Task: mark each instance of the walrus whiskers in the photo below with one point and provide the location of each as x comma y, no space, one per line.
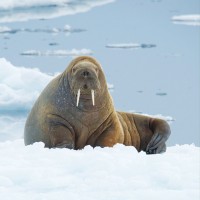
78,97
92,93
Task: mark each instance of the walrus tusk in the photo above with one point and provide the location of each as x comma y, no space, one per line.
92,93
78,97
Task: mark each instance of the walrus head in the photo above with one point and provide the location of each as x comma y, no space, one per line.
86,80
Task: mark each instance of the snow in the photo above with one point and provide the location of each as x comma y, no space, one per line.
34,172
12,127
192,19
169,119
20,86
5,29
13,11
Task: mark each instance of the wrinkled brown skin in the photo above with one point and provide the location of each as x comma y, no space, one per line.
59,123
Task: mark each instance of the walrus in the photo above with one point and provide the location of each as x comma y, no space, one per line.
76,109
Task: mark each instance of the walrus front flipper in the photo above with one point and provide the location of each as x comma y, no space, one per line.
161,132
60,132
153,132
156,144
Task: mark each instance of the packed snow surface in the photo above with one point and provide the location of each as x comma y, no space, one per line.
20,86
34,172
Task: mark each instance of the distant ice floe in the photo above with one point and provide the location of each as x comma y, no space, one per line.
169,119
66,29
21,86
140,91
53,44
12,10
191,20
161,93
110,86
130,46
5,29
73,52
157,93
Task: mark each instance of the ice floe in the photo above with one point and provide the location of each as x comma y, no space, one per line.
192,20
12,10
73,52
65,29
130,46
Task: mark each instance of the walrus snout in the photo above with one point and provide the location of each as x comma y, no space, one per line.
86,74
85,82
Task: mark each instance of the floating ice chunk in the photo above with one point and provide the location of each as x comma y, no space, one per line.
66,29
5,29
192,20
161,93
73,52
167,118
110,86
130,46
12,10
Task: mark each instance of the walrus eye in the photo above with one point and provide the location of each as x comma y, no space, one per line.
73,70
96,69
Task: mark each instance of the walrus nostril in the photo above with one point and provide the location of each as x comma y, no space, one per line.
85,73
